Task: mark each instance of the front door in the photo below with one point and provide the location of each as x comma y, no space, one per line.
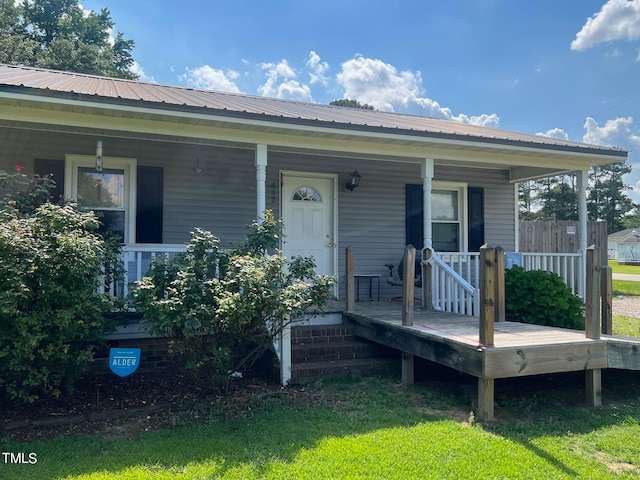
308,217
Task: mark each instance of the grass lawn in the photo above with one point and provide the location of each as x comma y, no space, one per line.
623,325
626,326
616,268
375,428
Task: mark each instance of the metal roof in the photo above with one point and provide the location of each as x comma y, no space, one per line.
52,83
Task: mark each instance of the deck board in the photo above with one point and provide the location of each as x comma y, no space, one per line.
519,349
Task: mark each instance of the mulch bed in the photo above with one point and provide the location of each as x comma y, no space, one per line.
108,405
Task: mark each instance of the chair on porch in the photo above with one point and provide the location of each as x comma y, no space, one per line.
398,280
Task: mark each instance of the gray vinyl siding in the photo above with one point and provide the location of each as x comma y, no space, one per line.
222,198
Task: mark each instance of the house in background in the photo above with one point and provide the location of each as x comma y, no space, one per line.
624,246
614,240
174,158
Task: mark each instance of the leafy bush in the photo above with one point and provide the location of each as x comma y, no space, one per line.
541,298
50,308
223,309
25,193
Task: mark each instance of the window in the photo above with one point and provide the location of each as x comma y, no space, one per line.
445,217
448,216
109,193
307,194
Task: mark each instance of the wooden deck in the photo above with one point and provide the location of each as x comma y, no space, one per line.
489,347
519,349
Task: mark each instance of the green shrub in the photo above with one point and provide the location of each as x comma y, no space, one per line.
541,298
51,314
223,309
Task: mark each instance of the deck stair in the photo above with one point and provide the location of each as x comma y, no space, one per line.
319,352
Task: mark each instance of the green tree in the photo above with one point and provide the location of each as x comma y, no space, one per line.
58,34
544,188
562,198
607,199
558,197
346,102
15,44
526,199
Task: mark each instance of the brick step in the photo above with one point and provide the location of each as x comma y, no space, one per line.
332,351
321,334
314,371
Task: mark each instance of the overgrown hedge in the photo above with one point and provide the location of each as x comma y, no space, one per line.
51,314
223,309
541,298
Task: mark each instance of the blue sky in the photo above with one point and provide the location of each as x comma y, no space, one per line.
568,68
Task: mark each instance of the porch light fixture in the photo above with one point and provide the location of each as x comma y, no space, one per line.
99,155
354,181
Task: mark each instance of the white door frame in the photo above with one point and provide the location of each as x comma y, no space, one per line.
334,213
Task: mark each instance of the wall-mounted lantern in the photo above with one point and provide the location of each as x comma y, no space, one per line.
354,181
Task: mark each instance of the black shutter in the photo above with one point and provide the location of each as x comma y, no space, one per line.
476,218
55,168
413,212
149,205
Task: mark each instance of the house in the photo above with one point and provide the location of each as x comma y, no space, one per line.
626,246
173,158
616,239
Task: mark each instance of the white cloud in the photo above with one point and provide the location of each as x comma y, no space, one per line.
318,69
211,79
618,132
281,83
142,76
558,133
380,84
616,20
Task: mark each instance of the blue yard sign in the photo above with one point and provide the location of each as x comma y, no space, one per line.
124,361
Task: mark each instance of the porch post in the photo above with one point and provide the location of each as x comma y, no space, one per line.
427,172
427,183
261,179
583,178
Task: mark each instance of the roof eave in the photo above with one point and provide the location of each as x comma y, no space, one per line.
259,120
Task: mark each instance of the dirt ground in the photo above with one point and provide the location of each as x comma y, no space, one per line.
121,407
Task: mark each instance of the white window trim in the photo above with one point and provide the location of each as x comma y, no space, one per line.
461,188
129,165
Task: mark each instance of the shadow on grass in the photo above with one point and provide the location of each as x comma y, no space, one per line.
284,426
281,427
555,405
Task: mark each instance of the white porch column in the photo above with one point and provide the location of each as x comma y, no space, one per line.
284,341
261,179
583,178
427,183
